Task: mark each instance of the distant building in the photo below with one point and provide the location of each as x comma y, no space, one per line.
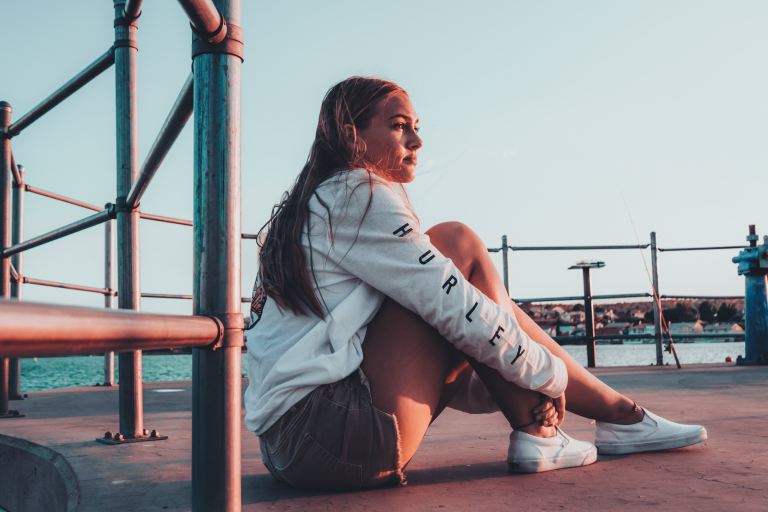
682,328
722,328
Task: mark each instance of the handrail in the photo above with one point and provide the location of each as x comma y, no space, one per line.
66,286
174,123
206,19
61,232
713,297
132,9
102,63
573,247
581,297
62,198
39,330
710,248
169,220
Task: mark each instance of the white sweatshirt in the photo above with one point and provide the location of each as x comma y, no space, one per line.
373,255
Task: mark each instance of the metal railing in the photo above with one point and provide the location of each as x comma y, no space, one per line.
214,332
661,330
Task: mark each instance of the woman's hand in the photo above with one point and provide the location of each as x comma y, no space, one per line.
550,412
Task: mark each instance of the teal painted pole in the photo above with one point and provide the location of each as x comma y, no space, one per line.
753,265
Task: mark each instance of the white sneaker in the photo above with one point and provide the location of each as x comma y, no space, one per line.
650,434
531,454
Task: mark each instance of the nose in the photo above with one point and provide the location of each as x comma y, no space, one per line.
414,141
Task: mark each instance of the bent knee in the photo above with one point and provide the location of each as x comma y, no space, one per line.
457,241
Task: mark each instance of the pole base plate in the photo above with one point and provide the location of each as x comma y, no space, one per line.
119,438
11,414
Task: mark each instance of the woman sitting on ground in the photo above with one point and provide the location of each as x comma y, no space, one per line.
364,327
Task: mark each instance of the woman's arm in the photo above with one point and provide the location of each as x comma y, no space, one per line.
378,240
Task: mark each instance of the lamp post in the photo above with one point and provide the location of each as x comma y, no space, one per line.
589,311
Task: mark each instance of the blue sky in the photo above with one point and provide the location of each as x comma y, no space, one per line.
551,122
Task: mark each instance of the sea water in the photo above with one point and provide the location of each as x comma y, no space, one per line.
59,372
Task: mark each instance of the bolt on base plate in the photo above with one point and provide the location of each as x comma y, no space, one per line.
119,438
11,414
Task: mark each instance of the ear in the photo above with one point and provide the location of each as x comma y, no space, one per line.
350,133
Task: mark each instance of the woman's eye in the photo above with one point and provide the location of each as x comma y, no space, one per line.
399,126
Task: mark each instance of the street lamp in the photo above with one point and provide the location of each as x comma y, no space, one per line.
589,311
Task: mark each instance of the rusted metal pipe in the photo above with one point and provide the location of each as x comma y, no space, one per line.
207,22
5,235
505,262
216,375
656,300
130,393
66,286
169,220
15,171
17,263
165,296
42,330
89,73
63,199
575,247
132,10
706,248
109,298
174,123
61,232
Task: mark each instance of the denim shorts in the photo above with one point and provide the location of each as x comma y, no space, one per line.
335,439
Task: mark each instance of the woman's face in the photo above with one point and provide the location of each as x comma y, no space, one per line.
391,139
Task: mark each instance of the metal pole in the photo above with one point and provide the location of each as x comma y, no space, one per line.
207,20
102,63
109,284
59,197
589,319
32,329
78,225
130,392
656,301
216,374
5,235
505,261
132,9
174,123
17,233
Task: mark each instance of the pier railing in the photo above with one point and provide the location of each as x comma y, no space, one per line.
215,330
661,328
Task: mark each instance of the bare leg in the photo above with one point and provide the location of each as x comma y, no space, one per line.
586,394
413,372
412,369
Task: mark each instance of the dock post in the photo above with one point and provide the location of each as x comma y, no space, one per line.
505,261
589,309
657,334
753,265
5,238
130,392
216,371
17,234
589,319
109,298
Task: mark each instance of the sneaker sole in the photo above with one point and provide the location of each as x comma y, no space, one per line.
652,446
539,466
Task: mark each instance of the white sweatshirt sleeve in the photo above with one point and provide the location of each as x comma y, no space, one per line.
384,248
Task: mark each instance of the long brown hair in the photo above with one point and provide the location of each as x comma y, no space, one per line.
284,274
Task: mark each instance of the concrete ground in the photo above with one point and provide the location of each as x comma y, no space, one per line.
460,465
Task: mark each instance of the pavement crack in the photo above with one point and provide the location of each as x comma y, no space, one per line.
734,484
